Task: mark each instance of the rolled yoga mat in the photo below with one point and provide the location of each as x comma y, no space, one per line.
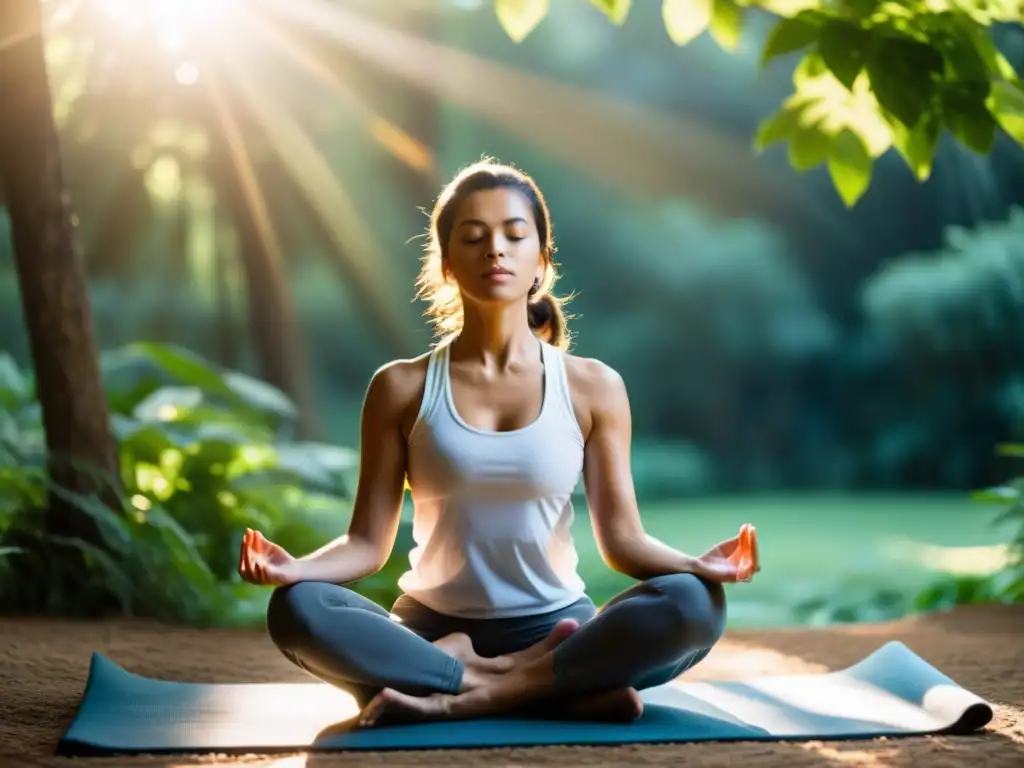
892,692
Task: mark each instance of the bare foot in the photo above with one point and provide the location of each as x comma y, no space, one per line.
494,694
494,685
480,669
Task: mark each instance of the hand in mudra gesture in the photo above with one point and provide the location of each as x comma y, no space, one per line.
261,561
733,560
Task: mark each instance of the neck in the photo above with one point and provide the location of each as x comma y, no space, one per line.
496,337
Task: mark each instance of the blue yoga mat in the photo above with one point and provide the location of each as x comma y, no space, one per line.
892,692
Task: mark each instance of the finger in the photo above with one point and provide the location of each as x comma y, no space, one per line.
241,557
744,556
245,555
756,556
250,558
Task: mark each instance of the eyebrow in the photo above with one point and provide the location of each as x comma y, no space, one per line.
478,223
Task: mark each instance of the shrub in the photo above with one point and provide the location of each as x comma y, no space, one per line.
203,454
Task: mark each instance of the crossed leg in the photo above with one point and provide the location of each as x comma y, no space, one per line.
645,636
349,641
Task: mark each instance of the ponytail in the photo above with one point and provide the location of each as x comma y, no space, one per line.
548,320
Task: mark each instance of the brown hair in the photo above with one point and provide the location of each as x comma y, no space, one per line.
544,311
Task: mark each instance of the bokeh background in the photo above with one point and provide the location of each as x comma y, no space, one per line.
840,378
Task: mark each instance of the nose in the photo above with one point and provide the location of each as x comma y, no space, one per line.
496,245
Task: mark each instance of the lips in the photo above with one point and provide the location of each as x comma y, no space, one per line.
493,272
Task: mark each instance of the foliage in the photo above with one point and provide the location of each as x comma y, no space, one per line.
874,75
962,299
947,591
203,455
1008,585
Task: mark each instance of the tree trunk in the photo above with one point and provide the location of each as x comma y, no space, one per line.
51,276
274,325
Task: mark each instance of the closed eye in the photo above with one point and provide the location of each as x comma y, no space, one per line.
474,241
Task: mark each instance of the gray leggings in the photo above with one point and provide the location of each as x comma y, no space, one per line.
645,636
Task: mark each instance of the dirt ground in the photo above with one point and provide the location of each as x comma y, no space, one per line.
45,662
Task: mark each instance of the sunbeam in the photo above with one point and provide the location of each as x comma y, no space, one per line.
356,248
638,149
397,142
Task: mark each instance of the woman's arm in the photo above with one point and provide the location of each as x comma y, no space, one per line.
378,504
608,478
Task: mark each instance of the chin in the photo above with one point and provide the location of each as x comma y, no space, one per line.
497,294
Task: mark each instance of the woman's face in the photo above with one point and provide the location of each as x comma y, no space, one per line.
494,253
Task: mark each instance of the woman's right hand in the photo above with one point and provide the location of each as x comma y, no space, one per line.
261,561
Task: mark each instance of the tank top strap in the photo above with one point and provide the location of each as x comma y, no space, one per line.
434,386
559,392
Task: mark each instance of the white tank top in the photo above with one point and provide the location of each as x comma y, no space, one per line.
493,510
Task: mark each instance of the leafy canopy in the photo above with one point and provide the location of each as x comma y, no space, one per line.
874,75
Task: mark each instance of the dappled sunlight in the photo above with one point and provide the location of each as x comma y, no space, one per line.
300,713
793,704
957,561
889,691
734,659
861,757
1009,719
292,761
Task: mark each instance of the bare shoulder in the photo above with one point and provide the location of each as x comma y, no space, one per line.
396,388
593,379
598,392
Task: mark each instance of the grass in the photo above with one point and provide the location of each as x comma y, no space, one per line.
810,545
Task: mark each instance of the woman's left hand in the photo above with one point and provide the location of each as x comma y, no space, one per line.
733,560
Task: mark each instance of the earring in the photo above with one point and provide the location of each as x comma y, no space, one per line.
536,286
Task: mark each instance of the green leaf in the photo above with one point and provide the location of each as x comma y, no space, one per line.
260,396
809,147
685,20
917,145
843,47
314,466
997,495
110,524
1006,102
169,404
849,165
780,126
971,54
182,365
615,10
788,8
520,17
968,119
811,67
1014,450
903,74
790,35
726,24
116,578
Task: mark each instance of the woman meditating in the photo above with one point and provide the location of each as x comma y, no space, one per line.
493,429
